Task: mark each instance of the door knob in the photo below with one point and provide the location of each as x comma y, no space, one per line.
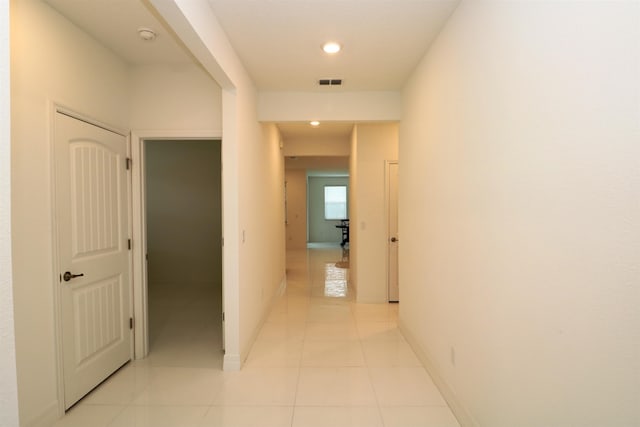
68,276
394,239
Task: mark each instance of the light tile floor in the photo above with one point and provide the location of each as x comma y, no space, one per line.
320,360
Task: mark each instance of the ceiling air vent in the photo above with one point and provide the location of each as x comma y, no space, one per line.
330,82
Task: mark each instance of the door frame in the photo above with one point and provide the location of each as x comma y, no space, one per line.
139,235
54,109
387,186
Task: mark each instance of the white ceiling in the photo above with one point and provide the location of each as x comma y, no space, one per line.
279,41
115,24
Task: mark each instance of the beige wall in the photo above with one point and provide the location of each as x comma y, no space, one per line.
174,97
335,106
318,164
518,213
335,147
373,145
296,227
262,218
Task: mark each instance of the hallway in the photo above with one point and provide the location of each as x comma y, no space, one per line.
320,360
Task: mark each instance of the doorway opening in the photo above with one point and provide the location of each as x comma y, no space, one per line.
327,209
182,202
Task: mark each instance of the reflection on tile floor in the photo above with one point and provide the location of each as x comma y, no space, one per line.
320,360
335,283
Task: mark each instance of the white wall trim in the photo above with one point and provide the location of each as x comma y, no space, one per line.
231,362
230,229
281,289
55,263
138,224
459,410
59,108
387,192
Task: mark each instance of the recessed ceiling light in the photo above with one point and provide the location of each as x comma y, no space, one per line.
314,123
331,47
146,34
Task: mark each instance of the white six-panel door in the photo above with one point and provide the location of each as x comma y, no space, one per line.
92,229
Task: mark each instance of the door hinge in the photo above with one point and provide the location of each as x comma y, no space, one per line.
129,243
223,316
128,163
130,322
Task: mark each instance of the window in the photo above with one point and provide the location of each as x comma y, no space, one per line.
335,202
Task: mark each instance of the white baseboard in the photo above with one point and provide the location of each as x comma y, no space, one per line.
281,288
231,362
46,418
459,410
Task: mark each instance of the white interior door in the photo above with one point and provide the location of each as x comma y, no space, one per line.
92,222
392,214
